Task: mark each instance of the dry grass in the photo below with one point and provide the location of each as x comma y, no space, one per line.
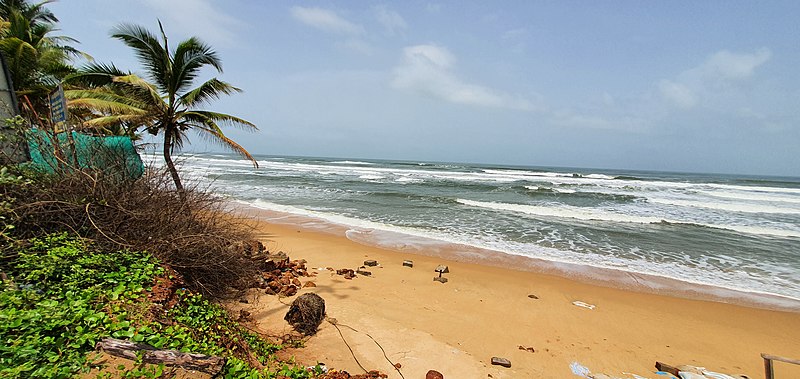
195,236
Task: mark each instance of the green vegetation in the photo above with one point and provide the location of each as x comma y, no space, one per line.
166,103
37,58
86,254
63,297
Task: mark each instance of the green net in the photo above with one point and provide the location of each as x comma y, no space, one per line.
112,154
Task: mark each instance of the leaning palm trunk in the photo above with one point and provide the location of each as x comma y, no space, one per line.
171,165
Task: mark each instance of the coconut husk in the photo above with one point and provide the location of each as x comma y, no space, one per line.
306,313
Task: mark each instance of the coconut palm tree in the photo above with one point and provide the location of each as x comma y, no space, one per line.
164,101
37,59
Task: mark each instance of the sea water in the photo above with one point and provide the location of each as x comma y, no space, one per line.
729,231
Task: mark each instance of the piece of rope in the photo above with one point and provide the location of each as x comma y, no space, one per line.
334,323
348,345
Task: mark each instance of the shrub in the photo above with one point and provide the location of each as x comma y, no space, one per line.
194,236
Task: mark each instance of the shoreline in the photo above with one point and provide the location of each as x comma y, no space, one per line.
486,311
650,283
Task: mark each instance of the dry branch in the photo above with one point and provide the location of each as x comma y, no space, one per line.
193,236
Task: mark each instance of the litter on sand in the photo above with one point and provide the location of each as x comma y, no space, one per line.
583,305
579,369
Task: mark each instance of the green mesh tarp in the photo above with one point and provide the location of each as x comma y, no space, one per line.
114,154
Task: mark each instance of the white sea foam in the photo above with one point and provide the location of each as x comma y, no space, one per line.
754,196
594,214
408,180
700,273
353,162
563,211
730,207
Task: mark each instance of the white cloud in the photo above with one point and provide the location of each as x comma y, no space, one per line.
390,19
677,94
428,69
198,18
713,80
325,20
727,65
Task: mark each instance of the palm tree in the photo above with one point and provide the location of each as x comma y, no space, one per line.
37,58
164,101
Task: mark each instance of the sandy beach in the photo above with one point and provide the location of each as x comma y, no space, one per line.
482,311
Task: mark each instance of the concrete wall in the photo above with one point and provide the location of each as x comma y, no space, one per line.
12,149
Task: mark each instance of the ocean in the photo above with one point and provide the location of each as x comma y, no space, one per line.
727,231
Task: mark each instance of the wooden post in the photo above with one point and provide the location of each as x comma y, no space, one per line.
768,368
768,363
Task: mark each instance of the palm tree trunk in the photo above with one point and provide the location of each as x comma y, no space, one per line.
170,165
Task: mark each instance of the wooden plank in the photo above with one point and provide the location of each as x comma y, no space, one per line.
780,359
126,349
666,368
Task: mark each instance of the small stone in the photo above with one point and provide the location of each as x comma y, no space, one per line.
408,263
278,257
370,263
532,296
497,361
433,374
442,269
244,301
440,279
289,291
363,272
309,284
296,282
245,315
528,349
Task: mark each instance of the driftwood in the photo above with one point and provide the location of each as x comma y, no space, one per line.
126,349
667,368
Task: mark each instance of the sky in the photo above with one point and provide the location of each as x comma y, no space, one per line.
690,86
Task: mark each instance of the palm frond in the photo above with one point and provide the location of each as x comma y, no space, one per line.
190,57
147,48
95,75
212,89
219,118
110,120
144,88
103,105
213,134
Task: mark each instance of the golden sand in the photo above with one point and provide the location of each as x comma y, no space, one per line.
482,311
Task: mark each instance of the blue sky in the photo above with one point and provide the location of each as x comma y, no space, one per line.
710,86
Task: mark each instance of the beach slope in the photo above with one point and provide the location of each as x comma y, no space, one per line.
481,312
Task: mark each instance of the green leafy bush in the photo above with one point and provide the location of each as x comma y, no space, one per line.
65,297
54,315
